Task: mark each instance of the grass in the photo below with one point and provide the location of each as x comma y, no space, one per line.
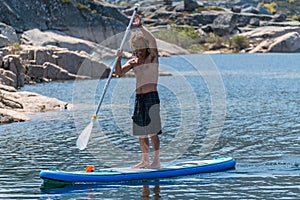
187,38
15,48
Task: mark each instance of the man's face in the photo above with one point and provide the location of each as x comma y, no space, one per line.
140,48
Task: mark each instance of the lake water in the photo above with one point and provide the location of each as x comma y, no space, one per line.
246,106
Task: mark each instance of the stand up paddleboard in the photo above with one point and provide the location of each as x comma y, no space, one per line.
127,174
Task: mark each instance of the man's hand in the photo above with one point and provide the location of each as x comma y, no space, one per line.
119,53
137,22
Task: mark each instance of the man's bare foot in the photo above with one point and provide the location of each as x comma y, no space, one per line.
154,166
142,164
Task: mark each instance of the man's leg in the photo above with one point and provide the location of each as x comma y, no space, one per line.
144,145
155,146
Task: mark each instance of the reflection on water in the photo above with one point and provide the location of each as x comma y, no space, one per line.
261,131
146,190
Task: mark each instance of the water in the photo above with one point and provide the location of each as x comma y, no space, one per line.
241,105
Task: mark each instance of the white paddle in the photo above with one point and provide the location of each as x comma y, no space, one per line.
83,138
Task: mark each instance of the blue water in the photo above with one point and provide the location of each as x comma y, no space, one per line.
242,105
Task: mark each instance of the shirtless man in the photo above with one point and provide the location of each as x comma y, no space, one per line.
146,117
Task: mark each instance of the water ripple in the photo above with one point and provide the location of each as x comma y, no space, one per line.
261,131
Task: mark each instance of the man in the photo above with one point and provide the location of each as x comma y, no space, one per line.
146,117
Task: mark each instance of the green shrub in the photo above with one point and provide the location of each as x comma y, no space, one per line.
196,48
81,6
123,3
186,31
295,17
181,36
215,39
15,48
66,1
239,42
271,7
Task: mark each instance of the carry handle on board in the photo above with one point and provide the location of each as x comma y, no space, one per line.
83,138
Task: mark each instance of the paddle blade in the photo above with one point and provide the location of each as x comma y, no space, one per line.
83,138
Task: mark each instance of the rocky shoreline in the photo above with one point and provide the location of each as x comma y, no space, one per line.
15,106
46,44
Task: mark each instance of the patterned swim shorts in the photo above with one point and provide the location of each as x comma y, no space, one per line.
146,116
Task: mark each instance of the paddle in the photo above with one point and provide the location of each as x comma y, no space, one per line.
83,138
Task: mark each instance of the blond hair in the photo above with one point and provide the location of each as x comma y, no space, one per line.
138,36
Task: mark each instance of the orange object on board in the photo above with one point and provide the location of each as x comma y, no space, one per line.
89,168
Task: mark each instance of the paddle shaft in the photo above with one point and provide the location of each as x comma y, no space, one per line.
114,63
83,138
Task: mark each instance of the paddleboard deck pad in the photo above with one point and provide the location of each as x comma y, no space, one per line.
107,175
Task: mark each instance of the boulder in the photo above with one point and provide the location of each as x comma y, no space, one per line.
33,102
288,43
54,72
3,41
269,32
8,32
35,71
7,88
13,64
82,65
279,17
250,9
254,22
37,38
100,19
236,9
10,116
224,24
63,63
206,17
190,5
8,78
274,39
14,106
167,49
263,10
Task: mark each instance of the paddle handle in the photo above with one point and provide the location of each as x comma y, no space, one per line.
114,63
129,25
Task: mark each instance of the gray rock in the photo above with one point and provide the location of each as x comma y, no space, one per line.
10,116
13,64
254,22
224,24
3,41
263,10
236,9
54,72
102,20
8,78
250,9
190,5
35,71
279,17
8,32
14,106
205,17
289,43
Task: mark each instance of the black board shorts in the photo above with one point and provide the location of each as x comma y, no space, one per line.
146,115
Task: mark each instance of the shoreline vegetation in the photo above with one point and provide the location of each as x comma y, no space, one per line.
46,44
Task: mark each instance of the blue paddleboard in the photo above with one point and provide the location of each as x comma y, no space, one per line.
127,174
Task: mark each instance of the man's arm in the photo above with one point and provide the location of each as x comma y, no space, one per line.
119,69
152,41
148,35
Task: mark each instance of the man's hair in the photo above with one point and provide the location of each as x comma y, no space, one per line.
137,36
